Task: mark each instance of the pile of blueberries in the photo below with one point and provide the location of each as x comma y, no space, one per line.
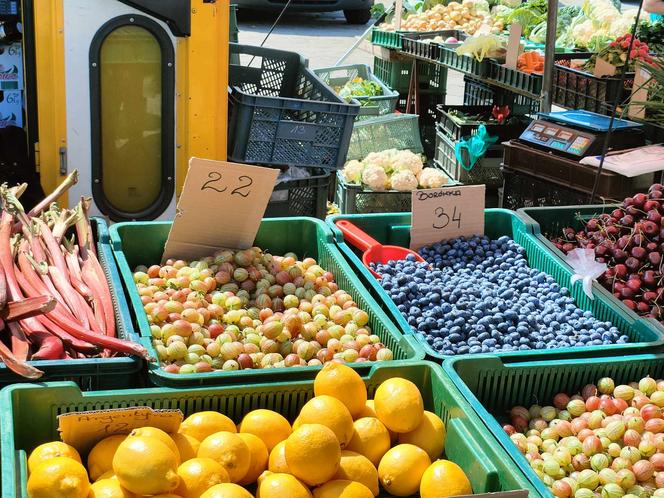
477,295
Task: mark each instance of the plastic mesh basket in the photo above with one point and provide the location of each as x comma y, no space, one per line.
468,443
393,131
493,387
477,92
337,77
281,113
300,197
136,243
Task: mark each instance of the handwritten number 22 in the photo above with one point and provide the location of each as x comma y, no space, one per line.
443,219
215,177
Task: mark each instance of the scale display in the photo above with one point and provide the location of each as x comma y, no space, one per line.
559,138
580,133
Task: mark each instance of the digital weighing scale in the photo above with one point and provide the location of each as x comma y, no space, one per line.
577,134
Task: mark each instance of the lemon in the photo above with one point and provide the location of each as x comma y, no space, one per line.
399,405
164,495
312,454
187,445
46,451
356,467
277,462
330,412
368,410
429,435
58,477
226,490
270,426
259,457
107,475
401,469
100,458
444,478
203,424
274,485
198,475
345,384
230,451
370,438
342,488
160,435
109,488
146,466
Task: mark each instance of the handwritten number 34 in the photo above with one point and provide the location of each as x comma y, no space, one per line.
214,184
443,219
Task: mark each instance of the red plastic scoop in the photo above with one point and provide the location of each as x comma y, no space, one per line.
374,251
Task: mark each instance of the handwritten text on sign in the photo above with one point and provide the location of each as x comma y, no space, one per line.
83,430
446,213
221,206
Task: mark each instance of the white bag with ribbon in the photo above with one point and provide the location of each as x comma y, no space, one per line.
586,268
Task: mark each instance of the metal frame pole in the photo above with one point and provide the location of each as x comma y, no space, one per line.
549,56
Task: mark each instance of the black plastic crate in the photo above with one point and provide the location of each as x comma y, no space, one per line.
486,171
577,89
300,197
428,103
654,133
478,92
282,114
419,45
455,130
524,190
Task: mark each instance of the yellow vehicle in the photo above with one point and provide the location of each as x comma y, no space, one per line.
124,91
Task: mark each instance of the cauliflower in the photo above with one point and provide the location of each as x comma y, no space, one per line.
403,181
406,160
381,159
353,171
374,177
432,178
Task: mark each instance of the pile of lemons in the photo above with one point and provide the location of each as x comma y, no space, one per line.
341,445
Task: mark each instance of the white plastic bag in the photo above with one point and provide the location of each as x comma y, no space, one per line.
585,268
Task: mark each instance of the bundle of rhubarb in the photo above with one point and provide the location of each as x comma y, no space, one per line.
55,303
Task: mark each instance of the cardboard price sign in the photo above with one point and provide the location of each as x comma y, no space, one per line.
513,45
221,206
446,213
83,430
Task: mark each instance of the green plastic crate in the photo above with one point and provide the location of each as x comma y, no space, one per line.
468,442
392,131
493,387
515,79
136,243
388,39
545,221
394,229
396,74
94,373
338,76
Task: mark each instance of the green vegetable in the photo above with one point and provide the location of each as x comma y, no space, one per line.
566,15
529,14
538,34
359,87
652,34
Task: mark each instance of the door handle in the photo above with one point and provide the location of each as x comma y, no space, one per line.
63,160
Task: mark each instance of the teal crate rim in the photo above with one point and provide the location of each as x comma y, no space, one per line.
535,229
489,419
94,367
411,347
388,97
480,439
650,326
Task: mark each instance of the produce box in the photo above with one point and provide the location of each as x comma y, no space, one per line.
527,190
493,386
571,174
282,114
577,89
543,222
142,243
477,92
94,373
422,46
485,171
394,229
431,78
392,131
338,76
515,80
300,196
455,127
389,39
468,442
